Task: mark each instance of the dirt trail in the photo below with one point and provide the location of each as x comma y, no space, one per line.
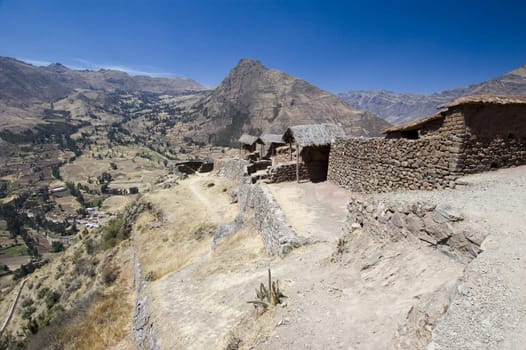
196,184
316,210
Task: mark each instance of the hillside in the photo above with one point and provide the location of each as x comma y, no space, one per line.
256,99
22,84
398,108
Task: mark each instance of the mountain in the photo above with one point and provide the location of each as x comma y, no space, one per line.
399,108
255,99
22,84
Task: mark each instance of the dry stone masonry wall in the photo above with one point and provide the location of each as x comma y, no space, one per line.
466,140
234,169
437,225
278,236
495,137
371,165
287,172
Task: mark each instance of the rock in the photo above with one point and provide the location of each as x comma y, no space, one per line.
414,224
233,197
474,237
440,232
444,213
397,220
355,226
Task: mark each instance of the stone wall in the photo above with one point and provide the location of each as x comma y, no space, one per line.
378,165
231,168
287,172
278,236
465,140
440,226
495,137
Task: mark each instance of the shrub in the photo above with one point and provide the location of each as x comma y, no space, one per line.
42,292
32,326
86,267
28,312
109,274
27,302
115,231
51,299
57,246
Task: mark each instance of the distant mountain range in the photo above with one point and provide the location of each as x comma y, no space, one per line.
256,99
22,84
398,108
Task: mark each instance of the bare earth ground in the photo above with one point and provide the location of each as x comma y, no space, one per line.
362,298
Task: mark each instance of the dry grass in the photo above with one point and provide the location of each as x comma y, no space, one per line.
191,211
106,324
234,251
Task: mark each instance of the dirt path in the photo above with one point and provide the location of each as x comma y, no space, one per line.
196,184
316,210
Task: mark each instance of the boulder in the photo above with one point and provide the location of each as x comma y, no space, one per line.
444,213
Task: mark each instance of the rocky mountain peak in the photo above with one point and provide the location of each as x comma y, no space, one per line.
256,99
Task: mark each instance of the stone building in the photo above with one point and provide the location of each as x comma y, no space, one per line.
249,143
474,134
312,146
271,143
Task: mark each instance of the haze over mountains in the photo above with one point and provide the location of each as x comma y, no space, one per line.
398,108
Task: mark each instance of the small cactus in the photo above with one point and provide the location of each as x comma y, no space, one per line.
270,296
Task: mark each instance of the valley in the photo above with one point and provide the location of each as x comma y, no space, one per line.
111,239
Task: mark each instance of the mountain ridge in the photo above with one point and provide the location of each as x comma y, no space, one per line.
399,108
23,84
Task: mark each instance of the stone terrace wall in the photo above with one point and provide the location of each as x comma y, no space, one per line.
231,168
379,165
279,237
287,172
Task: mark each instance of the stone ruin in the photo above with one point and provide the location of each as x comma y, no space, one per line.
473,135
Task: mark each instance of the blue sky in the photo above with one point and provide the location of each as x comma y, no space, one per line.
408,46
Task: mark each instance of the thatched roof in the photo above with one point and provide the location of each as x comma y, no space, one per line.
481,99
314,134
247,139
272,138
413,125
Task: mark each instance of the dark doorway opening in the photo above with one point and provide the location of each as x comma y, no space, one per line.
316,159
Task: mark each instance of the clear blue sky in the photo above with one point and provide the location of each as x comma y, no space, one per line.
409,46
